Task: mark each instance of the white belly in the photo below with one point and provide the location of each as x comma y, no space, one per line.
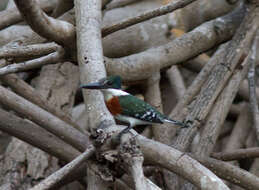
132,121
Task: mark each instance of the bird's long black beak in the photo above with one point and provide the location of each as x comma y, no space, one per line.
94,85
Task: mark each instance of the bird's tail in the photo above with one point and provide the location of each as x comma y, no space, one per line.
179,123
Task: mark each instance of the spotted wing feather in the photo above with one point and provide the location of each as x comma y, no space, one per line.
134,107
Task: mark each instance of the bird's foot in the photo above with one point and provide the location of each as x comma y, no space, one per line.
187,124
124,131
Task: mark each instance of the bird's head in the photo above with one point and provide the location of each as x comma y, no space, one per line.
111,82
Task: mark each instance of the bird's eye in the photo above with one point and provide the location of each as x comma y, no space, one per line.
109,82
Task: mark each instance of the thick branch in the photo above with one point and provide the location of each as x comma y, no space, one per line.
51,123
252,87
132,160
142,65
28,92
180,110
231,173
90,59
179,163
222,71
28,51
12,15
91,67
59,31
167,157
36,136
219,112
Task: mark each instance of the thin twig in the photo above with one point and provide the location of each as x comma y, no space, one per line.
59,175
174,5
32,64
237,154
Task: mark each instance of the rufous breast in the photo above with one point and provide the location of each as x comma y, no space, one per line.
113,105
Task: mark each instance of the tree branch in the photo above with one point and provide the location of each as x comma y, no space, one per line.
180,163
153,96
90,59
59,31
180,110
32,64
237,154
91,67
174,5
176,81
252,87
142,65
178,86
51,123
12,16
36,136
59,175
132,160
220,74
26,91
62,7
218,114
28,51
171,159
231,173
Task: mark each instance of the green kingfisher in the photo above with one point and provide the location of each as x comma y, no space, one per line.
126,107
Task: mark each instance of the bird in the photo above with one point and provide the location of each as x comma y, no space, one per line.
126,107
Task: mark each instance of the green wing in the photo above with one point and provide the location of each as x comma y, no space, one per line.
134,107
